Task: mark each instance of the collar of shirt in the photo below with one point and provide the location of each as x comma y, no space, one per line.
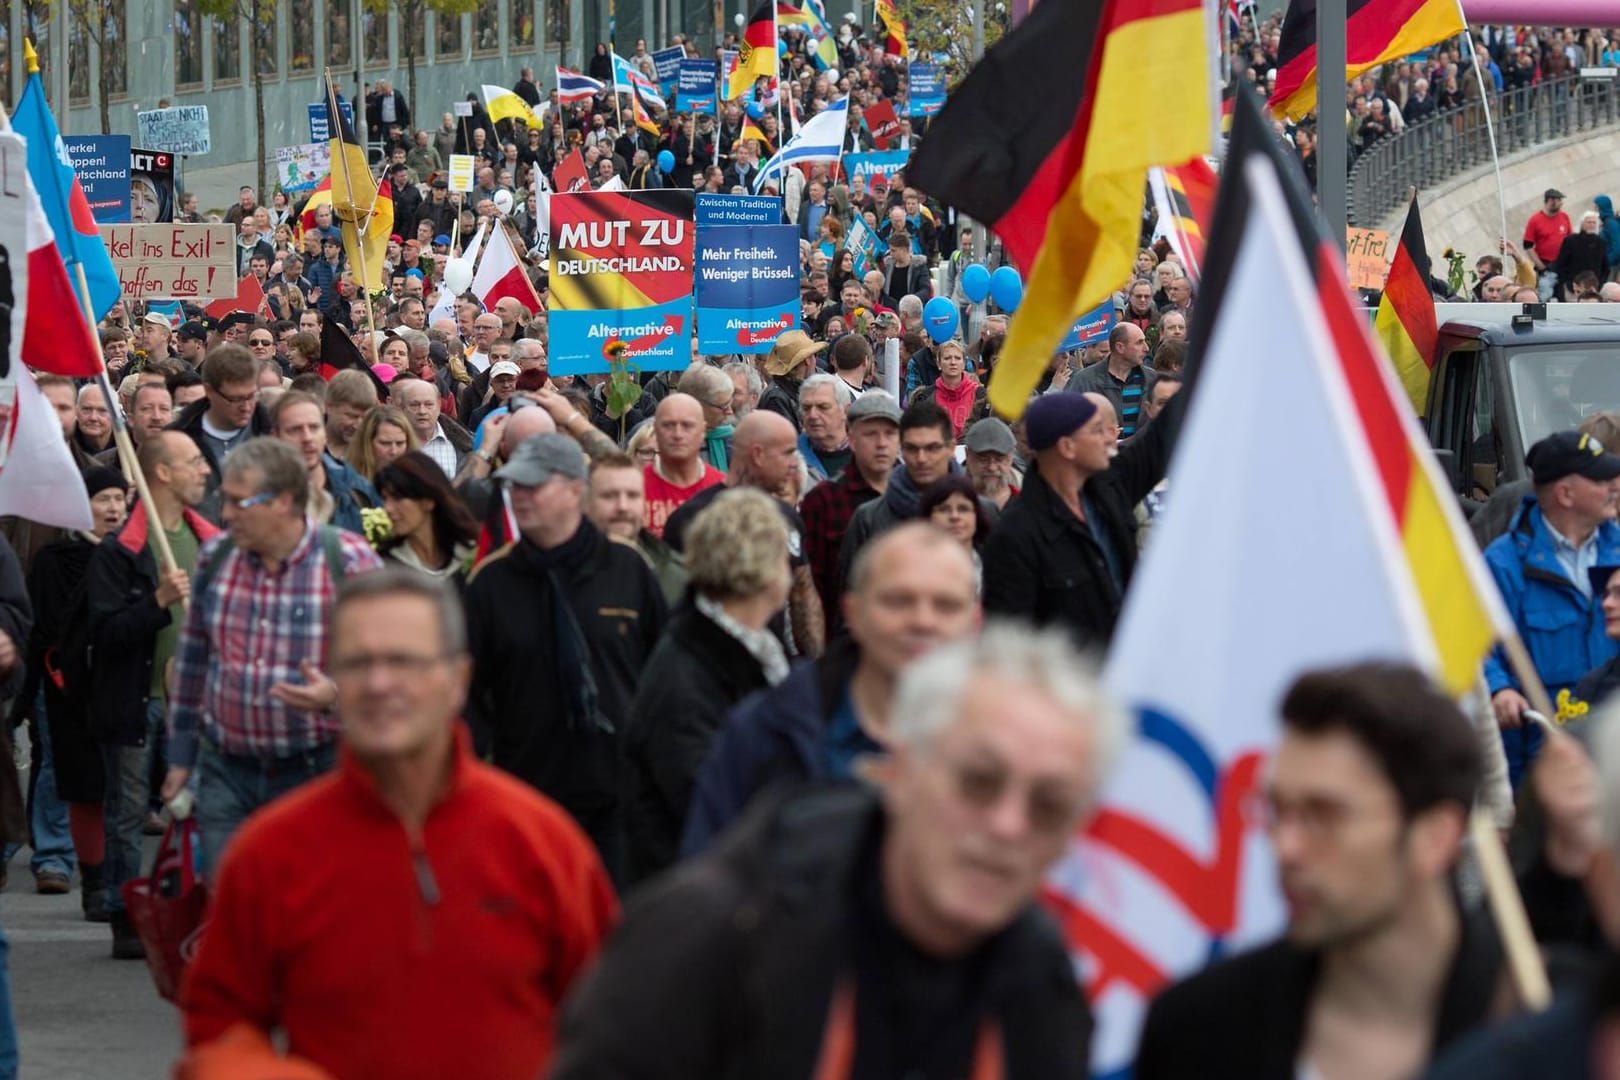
1576,559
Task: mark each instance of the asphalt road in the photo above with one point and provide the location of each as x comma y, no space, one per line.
80,1014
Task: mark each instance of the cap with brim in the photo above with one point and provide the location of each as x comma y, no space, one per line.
1551,193
442,238
440,182
875,405
504,367
155,319
790,351
990,436
235,318
540,457
1570,453
192,331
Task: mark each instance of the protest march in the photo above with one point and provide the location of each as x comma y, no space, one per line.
1025,542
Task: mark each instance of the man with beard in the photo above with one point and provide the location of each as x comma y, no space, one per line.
616,503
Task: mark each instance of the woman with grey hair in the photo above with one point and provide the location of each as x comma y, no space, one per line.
714,390
717,650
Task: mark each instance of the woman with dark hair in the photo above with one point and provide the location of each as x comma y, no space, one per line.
954,505
840,268
433,531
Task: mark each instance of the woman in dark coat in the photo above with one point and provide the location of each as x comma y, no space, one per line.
717,650
58,658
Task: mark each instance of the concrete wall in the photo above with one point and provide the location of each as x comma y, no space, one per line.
1464,213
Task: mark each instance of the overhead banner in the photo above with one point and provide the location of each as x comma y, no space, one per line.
151,186
927,83
180,130
621,273
694,89
738,210
667,63
301,168
884,163
102,165
747,287
173,262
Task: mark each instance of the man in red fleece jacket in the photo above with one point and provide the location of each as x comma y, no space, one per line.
416,913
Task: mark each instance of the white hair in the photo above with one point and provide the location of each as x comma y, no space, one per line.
927,699
910,306
756,385
815,382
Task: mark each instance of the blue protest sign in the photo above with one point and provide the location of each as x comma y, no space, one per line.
738,210
667,65
694,91
884,163
865,244
102,165
747,287
1089,328
927,84
319,130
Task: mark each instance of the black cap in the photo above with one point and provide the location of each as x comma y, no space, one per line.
440,182
235,318
192,331
1551,193
1569,453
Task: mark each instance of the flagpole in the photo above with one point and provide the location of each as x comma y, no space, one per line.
1490,128
360,227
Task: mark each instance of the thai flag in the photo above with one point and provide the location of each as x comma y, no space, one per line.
66,209
573,88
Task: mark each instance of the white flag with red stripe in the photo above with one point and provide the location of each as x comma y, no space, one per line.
500,274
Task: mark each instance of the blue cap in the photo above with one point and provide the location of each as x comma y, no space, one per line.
442,238
1050,417
414,272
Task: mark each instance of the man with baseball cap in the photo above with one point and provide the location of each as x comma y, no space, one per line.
562,621
1064,549
1544,234
191,342
791,361
990,446
1541,564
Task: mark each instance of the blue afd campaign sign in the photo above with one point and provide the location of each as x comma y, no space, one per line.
694,86
884,163
927,84
738,210
747,287
319,129
667,65
102,164
1089,328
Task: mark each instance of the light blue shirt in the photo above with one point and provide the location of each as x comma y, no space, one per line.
1576,561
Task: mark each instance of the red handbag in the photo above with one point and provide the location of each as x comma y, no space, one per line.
169,908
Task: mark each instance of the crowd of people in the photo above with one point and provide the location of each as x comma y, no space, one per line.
450,652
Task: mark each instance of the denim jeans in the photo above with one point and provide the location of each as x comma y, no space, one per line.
48,817
124,807
1521,745
8,1022
230,787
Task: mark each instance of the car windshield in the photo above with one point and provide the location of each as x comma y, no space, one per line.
1555,388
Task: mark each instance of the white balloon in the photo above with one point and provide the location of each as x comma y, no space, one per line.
458,274
738,18
832,76
503,201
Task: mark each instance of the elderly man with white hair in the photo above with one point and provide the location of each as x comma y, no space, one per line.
896,923
824,440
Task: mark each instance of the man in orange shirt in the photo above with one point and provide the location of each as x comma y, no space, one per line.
415,913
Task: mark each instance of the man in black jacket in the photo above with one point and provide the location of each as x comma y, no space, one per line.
1380,969
562,622
228,416
1064,550
135,618
844,933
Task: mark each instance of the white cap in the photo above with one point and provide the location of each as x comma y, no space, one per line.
504,367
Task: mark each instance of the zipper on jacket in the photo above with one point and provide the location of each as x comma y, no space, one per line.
426,885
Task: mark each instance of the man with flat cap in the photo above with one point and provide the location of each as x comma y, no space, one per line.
1542,566
1063,551
562,621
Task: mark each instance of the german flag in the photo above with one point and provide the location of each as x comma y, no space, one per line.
340,353
752,130
644,119
894,28
1185,199
1056,167
321,196
1405,321
756,53
364,212
1376,31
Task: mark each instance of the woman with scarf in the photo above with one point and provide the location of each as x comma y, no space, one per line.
961,395
714,390
432,529
717,649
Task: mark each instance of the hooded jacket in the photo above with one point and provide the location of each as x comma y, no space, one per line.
1610,230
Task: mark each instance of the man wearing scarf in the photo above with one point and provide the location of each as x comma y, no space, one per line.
562,621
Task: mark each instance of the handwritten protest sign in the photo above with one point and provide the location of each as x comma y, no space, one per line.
182,262
1368,254
300,168
461,172
180,130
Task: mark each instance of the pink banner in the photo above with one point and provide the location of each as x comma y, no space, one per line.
1541,12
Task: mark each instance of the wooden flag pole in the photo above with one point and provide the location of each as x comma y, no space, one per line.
360,227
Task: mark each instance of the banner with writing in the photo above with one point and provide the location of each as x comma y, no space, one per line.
694,92
102,165
866,245
747,291
927,84
301,168
151,186
179,130
1089,328
180,262
738,209
667,64
320,130
884,163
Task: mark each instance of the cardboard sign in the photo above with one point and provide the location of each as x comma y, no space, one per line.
747,291
151,186
102,165
694,89
882,123
300,168
181,262
180,130
867,246
461,108
621,273
1367,254
319,129
462,169
738,210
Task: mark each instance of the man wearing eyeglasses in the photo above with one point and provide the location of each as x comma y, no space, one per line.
227,416
484,902
890,930
261,342
250,711
1380,969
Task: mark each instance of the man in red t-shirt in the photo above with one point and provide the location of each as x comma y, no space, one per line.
679,471
1543,235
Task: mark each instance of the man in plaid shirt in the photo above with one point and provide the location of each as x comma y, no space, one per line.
250,707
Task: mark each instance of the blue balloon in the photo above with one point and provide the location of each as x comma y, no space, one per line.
1006,288
666,161
975,283
940,319
781,47
755,110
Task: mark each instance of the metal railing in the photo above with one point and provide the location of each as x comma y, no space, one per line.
1454,141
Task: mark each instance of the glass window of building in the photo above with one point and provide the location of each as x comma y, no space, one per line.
37,27
449,35
339,38
376,24
301,32
413,31
487,27
227,50
266,46
6,95
188,44
115,47
78,62
523,25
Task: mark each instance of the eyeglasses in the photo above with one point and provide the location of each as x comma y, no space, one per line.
395,665
261,341
235,399
251,501
983,785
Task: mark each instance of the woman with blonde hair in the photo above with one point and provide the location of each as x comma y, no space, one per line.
384,435
717,649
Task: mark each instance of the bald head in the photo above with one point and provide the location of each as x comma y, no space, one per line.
160,450
521,425
679,428
1110,417
764,450
1494,288
1610,293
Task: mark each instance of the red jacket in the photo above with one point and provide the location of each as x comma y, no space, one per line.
379,960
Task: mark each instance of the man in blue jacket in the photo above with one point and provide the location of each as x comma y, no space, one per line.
1541,565
1611,232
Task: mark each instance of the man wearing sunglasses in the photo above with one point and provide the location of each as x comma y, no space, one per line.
227,416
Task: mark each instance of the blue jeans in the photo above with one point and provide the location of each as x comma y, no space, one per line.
1521,745
231,786
128,771
8,1022
48,821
